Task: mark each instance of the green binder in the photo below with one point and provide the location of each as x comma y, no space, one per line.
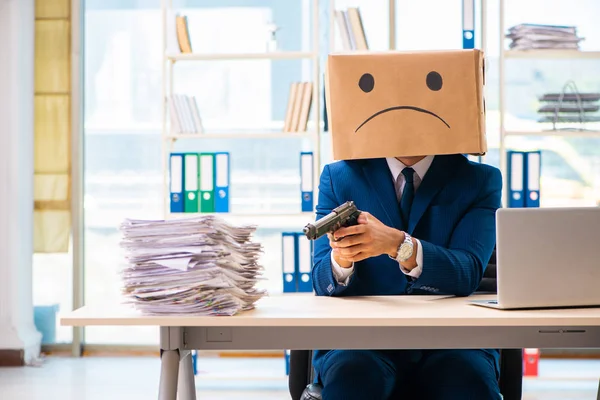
191,174
207,182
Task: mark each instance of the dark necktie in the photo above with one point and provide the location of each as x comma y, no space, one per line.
408,193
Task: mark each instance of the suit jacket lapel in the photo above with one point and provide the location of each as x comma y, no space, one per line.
442,167
380,178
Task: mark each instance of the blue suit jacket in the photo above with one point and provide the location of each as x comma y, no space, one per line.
453,216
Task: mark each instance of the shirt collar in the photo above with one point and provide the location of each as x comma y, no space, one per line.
396,166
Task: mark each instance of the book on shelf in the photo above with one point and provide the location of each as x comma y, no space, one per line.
185,116
351,29
535,36
298,107
183,34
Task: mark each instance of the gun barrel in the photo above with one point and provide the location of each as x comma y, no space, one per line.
340,216
310,231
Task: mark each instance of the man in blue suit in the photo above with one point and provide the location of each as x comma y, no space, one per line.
427,227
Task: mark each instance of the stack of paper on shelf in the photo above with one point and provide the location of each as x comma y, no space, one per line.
569,107
199,266
298,107
534,36
351,29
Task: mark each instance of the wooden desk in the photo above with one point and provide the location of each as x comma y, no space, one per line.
305,321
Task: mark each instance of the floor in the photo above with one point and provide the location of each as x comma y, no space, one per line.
228,379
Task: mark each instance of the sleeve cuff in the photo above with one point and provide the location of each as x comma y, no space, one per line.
342,275
415,272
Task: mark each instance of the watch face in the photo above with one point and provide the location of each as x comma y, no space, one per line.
405,251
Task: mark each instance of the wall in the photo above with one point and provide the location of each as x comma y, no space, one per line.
19,340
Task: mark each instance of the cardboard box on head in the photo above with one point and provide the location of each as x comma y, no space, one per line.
394,104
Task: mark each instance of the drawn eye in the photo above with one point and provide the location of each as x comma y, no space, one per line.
366,83
434,81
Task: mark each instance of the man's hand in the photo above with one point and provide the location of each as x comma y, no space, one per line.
370,238
342,262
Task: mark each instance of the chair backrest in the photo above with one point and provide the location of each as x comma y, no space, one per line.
300,373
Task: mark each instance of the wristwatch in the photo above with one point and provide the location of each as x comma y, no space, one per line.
405,250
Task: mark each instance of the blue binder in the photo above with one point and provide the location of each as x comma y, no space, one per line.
305,261
289,261
516,178
222,175
306,181
468,24
533,166
176,181
286,355
207,183
194,356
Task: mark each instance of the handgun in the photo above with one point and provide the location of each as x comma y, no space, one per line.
344,215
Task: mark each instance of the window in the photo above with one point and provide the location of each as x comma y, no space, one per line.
123,174
570,173
123,89
556,167
52,295
428,25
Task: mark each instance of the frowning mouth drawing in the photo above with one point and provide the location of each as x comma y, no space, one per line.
402,108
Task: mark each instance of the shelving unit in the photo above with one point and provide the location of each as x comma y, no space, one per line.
541,54
315,125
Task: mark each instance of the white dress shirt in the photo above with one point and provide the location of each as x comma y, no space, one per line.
396,166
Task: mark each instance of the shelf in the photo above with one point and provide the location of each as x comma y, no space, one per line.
276,55
270,213
563,133
244,135
552,54
294,222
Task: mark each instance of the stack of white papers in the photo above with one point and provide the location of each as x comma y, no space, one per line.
199,266
533,36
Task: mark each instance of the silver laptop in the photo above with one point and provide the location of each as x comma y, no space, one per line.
547,257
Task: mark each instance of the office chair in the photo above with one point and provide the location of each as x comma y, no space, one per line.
301,376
